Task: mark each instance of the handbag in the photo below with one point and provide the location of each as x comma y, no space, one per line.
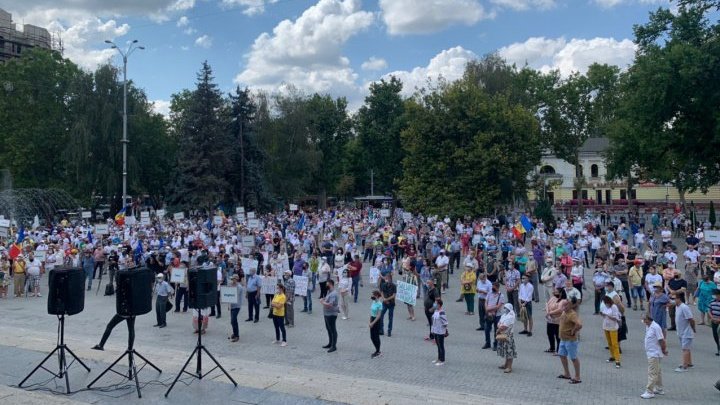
168,306
501,337
523,314
491,317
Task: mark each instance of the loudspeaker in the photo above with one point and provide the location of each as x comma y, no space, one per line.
133,295
67,292
202,288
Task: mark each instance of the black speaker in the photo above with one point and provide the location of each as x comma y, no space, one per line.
67,292
133,295
202,288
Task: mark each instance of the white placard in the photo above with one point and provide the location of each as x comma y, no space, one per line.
476,239
249,264
217,220
145,221
240,217
240,210
160,213
374,275
4,232
5,223
248,241
229,295
269,285
101,229
130,220
251,215
177,275
301,285
41,255
144,214
406,292
253,223
407,216
712,237
293,207
385,213
86,214
179,216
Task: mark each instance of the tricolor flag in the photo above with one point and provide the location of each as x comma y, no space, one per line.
120,216
16,247
526,224
518,230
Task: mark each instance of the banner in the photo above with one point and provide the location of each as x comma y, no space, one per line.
269,284
248,241
101,229
301,285
86,215
177,275
248,264
406,292
229,295
712,237
179,216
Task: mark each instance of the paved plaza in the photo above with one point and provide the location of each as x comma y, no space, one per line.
304,373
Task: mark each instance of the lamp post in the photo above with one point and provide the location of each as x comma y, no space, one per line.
130,49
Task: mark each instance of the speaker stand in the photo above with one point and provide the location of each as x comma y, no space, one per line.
199,349
132,373
63,365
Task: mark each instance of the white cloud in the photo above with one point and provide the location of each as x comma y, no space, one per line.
182,5
161,107
252,7
522,5
183,21
613,3
374,64
575,55
427,16
203,41
448,64
306,53
189,31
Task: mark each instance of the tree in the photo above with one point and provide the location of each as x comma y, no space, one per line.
711,215
378,125
203,161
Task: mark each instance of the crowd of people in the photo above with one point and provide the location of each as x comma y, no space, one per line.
511,269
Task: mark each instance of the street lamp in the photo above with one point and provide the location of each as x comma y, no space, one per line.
130,49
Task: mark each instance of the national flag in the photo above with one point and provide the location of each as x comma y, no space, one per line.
21,236
301,223
120,216
518,230
90,238
526,224
162,242
16,248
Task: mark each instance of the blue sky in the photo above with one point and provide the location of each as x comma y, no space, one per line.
334,46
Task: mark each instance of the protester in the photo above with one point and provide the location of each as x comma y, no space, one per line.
163,292
235,307
430,303
525,297
611,325
374,325
506,346
35,269
494,301
439,330
278,315
655,349
289,284
88,264
704,297
253,287
553,309
483,287
657,307
330,311
344,286
714,315
467,286
685,323
570,325
389,291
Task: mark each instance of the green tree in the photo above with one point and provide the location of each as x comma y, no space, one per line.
711,215
200,178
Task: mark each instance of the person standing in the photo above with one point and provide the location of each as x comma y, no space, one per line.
714,314
657,307
429,303
374,325
495,300
655,349
467,286
483,287
35,269
88,263
611,325
331,308
235,307
388,289
439,330
512,281
163,290
685,323
570,325
675,286
289,284
344,286
99,256
525,297
324,276
307,299
441,264
278,315
355,268
253,296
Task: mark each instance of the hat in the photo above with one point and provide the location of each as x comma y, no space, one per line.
442,250
159,276
658,284
609,282
287,272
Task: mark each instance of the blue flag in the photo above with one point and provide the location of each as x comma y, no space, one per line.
21,235
90,239
526,223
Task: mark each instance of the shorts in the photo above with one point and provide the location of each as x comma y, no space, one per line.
686,343
569,348
528,308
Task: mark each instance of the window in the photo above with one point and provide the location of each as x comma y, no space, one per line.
598,196
19,49
574,195
585,194
594,172
623,194
608,196
551,197
633,194
547,170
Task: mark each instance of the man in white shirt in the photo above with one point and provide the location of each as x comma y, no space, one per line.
34,269
655,349
685,324
666,236
442,263
525,298
483,286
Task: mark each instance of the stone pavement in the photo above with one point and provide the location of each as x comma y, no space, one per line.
304,373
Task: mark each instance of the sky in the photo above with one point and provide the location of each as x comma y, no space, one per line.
337,47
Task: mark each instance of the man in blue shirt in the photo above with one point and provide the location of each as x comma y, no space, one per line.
253,296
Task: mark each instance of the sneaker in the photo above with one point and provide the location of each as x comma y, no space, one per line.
617,364
681,369
610,360
440,363
344,318
276,342
647,395
39,295
659,392
283,344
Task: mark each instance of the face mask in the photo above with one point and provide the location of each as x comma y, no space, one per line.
677,276
495,290
435,305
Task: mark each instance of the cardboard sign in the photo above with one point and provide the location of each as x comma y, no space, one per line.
712,237
177,275
301,285
160,213
253,223
406,292
101,229
4,232
248,241
249,264
229,295
385,213
5,223
407,216
269,285
374,275
293,207
145,221
144,214
217,220
86,215
240,210
179,216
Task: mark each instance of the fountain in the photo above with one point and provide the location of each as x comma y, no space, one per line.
23,204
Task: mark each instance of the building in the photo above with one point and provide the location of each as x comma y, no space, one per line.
13,42
558,176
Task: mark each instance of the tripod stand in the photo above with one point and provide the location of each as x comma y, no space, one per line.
63,365
132,368
199,348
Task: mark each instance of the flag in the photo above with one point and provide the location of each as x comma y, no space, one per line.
16,248
301,223
90,239
120,216
162,242
21,236
518,230
526,224
209,223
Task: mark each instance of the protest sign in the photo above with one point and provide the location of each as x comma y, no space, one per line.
240,210
248,264
160,213
5,223
145,221
177,275
269,285
301,285
144,214
130,221
101,229
251,215
385,213
374,275
293,207
407,216
248,241
229,295
712,237
86,214
253,223
217,220
406,292
179,216
4,232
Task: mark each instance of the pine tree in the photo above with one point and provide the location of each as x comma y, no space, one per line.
204,156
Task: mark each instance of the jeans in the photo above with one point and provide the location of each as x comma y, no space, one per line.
440,343
234,312
160,305
323,289
279,324
489,325
98,265
113,323
375,335
182,292
470,302
481,312
355,285
289,313
390,309
217,305
592,255
89,276
626,288
553,334
253,305
330,325
599,294
512,298
307,302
